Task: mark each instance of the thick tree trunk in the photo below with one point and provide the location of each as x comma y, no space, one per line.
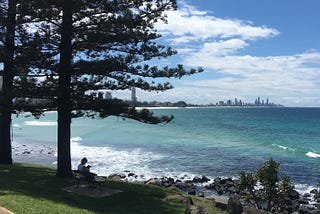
6,93
64,103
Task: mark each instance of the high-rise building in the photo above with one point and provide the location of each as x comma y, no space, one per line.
1,80
107,96
133,95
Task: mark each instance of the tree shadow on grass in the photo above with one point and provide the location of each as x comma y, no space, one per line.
40,183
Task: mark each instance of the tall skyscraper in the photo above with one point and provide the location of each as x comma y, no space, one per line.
1,79
107,96
133,95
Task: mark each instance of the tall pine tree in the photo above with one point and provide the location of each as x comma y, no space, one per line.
22,53
100,45
7,30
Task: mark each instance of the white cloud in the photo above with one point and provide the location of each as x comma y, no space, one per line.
189,24
297,75
217,45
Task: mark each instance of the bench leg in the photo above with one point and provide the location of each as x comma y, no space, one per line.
77,182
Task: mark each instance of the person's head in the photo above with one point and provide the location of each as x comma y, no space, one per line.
84,160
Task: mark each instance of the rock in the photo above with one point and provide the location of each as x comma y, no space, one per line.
202,179
314,191
303,201
303,210
131,174
306,195
289,209
220,189
121,175
181,185
200,194
195,210
220,205
229,183
153,182
234,205
233,190
287,201
116,176
168,181
216,181
180,199
293,195
210,186
189,201
197,179
192,191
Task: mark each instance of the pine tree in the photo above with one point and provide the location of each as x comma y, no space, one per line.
7,30
20,54
109,42
97,45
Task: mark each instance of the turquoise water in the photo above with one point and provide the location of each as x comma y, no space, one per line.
200,141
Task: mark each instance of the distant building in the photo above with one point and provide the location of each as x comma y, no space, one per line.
107,96
133,96
1,80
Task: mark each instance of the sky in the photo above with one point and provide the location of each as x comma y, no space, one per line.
248,49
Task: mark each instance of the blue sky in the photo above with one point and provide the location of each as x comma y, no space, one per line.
248,48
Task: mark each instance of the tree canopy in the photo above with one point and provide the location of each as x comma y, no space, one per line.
83,46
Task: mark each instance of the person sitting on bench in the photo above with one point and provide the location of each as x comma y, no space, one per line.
85,171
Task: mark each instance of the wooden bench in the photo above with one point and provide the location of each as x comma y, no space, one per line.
79,176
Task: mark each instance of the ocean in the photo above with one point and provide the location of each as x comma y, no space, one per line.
214,142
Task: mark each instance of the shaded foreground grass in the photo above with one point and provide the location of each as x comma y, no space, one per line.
26,188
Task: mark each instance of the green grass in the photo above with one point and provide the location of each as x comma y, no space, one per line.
26,188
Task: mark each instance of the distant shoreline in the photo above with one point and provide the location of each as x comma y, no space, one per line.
193,107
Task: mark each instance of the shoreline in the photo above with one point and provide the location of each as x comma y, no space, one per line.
302,203
46,156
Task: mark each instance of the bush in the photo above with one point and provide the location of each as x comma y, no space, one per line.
273,190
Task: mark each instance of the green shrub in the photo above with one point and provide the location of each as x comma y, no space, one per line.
273,190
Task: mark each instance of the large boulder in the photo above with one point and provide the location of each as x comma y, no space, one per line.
196,210
202,179
234,205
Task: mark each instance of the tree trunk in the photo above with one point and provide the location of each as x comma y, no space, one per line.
64,102
6,93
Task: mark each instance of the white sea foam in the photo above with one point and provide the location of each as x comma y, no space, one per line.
39,123
312,155
106,160
303,188
283,147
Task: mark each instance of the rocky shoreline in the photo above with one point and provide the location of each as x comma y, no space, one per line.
200,186
307,203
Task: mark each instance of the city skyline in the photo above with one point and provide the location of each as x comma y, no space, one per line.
247,49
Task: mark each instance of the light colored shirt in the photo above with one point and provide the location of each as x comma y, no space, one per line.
82,167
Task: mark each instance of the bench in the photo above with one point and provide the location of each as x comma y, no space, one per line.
79,176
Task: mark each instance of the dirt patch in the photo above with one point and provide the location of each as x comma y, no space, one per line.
91,192
5,211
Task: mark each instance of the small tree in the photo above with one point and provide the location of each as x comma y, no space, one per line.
284,188
268,178
273,190
247,183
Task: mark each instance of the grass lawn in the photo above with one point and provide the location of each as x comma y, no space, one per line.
26,188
